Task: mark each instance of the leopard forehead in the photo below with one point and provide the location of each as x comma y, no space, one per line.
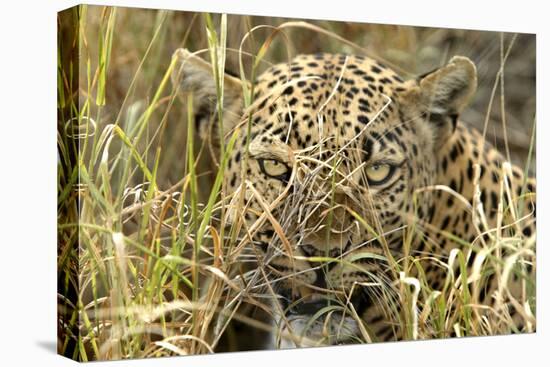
320,96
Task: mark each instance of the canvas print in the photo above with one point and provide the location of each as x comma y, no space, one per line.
233,183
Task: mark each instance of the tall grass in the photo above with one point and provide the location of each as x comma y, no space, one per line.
147,267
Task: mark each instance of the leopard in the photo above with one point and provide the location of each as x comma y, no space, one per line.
351,182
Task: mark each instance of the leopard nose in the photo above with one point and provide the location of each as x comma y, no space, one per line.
321,268
308,308
309,250
312,251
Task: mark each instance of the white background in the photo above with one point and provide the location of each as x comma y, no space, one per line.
28,181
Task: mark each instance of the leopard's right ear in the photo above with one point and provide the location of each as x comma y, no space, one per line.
192,74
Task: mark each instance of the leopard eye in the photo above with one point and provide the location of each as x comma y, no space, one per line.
379,173
275,169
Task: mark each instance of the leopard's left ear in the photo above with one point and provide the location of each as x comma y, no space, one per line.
444,93
448,90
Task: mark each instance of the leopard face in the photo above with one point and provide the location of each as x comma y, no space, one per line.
327,174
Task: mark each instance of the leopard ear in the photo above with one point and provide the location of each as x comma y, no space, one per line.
192,74
448,90
445,92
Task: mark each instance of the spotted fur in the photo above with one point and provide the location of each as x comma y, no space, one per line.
319,123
